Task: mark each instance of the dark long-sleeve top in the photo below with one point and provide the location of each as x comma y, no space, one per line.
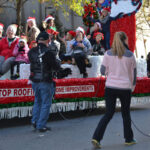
106,26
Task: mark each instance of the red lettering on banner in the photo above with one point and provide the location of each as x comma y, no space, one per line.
9,92
71,88
0,92
24,92
32,92
15,92
19,92
67,89
60,89
28,91
75,89
5,93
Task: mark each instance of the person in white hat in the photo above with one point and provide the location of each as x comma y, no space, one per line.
96,28
32,31
81,47
85,40
1,30
48,23
7,45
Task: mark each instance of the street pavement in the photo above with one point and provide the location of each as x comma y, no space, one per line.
76,133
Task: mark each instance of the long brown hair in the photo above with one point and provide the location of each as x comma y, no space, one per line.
45,25
28,28
118,45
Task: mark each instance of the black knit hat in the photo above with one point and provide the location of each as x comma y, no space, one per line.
43,36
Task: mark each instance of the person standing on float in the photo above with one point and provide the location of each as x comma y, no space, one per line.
105,20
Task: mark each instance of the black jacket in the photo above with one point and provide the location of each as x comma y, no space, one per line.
43,63
148,65
106,26
97,49
53,48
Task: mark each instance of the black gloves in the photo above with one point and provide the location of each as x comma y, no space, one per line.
67,71
21,49
63,73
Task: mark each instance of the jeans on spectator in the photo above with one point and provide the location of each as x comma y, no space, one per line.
44,93
5,65
110,97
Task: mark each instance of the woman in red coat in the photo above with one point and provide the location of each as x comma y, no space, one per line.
7,45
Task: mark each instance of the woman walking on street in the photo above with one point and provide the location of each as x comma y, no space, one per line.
120,67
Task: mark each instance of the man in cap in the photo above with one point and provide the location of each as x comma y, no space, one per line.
43,64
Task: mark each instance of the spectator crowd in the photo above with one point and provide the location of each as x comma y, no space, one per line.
78,45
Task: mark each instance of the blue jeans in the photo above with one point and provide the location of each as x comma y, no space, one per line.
43,92
106,41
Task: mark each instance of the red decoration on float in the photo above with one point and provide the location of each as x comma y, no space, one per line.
128,25
19,90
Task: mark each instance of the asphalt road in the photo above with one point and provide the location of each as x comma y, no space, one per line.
75,134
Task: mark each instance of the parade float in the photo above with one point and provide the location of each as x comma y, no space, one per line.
75,92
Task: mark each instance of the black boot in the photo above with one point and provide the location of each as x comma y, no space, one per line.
85,75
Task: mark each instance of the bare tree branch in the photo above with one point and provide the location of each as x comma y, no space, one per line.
8,7
24,2
4,2
143,19
146,20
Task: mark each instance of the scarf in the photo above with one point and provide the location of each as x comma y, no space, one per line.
105,19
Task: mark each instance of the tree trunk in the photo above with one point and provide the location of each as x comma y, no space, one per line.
58,23
144,40
136,53
19,14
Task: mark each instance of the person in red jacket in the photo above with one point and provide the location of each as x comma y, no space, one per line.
7,45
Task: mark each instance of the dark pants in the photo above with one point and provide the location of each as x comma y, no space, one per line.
80,61
5,65
16,63
110,97
106,41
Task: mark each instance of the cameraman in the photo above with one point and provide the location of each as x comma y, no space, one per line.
43,64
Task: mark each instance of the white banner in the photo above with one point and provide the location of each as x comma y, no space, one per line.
74,89
21,92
